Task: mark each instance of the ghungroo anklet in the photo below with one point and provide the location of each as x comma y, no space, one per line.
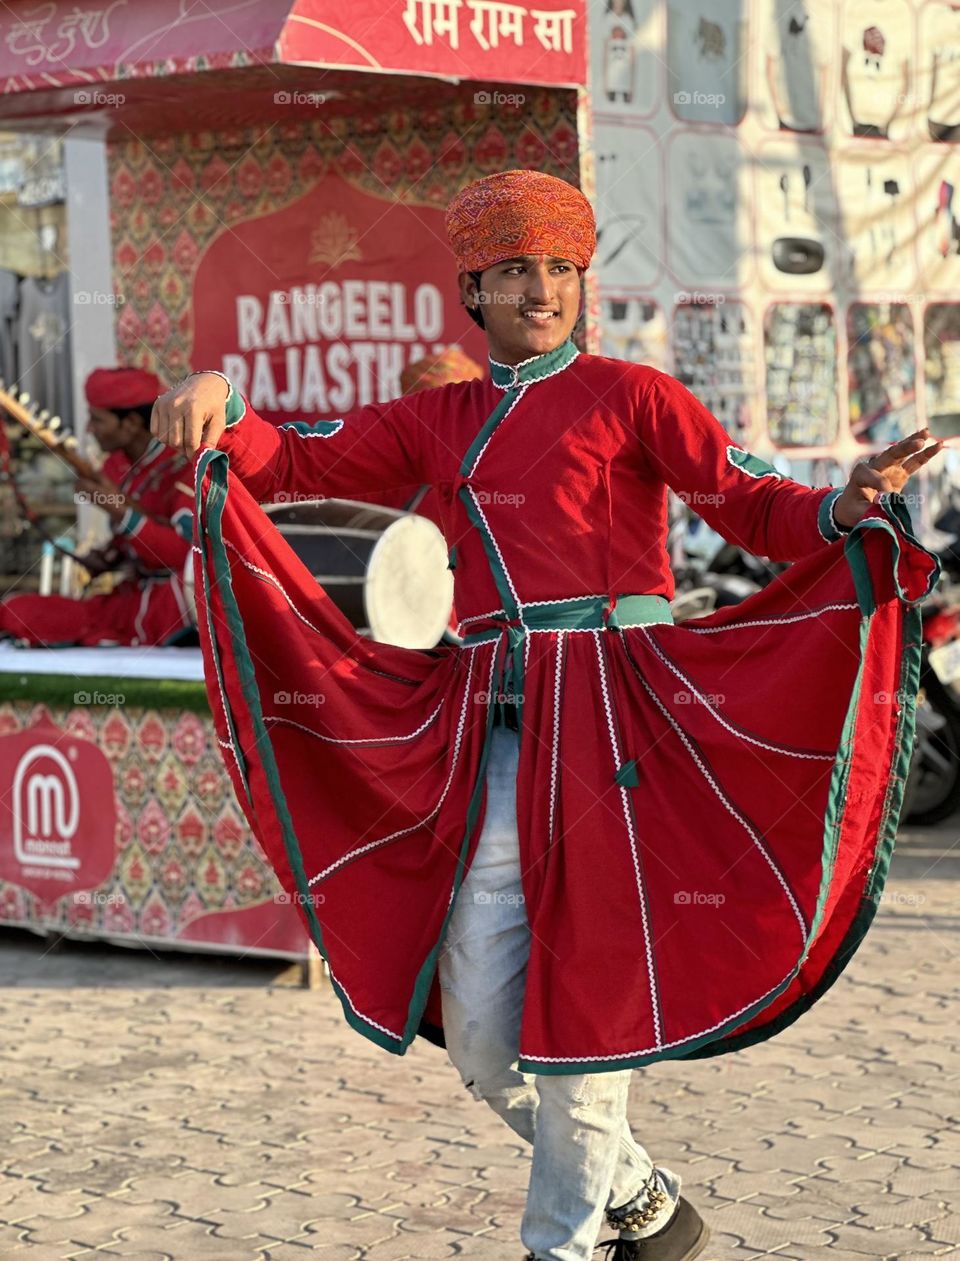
629,1217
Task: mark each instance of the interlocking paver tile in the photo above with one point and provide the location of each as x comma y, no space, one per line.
209,1114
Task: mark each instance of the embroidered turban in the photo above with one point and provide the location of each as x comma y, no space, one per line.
520,212
444,369
119,389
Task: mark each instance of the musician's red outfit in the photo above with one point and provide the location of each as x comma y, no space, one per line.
148,607
705,811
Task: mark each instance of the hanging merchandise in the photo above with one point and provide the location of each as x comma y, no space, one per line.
44,342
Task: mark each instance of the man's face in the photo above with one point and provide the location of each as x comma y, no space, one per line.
111,431
529,304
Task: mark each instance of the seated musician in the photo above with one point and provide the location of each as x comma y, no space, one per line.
146,490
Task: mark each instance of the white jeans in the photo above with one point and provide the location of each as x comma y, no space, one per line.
585,1159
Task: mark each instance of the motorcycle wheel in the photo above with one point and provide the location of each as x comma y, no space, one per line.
935,775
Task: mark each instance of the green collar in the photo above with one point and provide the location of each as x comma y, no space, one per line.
509,376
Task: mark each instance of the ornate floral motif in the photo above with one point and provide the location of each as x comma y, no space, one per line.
183,847
192,185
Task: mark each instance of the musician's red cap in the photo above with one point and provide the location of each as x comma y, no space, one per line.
116,389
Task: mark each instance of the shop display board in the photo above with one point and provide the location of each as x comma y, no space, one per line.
778,196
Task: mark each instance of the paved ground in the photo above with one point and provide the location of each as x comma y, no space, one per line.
193,1108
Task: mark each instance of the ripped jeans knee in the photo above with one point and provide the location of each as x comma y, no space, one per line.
511,1094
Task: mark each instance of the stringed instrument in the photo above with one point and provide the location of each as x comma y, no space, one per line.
44,428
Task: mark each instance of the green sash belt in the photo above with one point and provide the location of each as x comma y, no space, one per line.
587,613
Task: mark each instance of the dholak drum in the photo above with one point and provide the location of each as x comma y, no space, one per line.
385,570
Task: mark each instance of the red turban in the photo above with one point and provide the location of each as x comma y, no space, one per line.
444,369
120,389
520,212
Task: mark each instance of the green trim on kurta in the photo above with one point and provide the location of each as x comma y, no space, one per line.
235,408
206,458
218,463
825,517
60,689
216,500
627,776
315,429
714,1043
751,464
535,368
130,522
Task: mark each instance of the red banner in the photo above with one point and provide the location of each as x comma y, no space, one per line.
543,42
57,815
317,308
99,41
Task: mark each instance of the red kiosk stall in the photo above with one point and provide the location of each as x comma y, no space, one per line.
277,176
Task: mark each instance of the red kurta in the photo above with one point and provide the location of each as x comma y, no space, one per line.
147,609
706,811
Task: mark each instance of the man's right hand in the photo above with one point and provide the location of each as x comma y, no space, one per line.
192,414
100,560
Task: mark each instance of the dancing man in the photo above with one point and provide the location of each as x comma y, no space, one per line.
586,839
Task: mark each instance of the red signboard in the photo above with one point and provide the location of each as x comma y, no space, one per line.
56,43
540,42
317,308
58,822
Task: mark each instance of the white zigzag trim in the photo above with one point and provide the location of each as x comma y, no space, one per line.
479,456
770,621
555,750
741,735
364,849
728,805
625,802
496,545
290,722
510,367
365,1019
566,599
771,472
292,424
480,617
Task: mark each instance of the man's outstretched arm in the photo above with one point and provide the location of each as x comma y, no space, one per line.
372,448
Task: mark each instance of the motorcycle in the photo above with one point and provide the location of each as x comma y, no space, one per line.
932,791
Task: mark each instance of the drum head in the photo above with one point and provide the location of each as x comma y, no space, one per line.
409,589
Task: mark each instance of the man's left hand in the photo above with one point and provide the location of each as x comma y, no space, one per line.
888,470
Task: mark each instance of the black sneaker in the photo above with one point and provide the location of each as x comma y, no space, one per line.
684,1237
